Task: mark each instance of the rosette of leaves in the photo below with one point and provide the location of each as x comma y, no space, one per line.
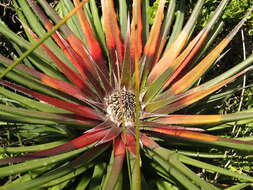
100,99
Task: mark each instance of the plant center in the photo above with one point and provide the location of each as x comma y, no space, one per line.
120,107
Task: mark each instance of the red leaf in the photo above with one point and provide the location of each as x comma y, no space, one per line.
119,147
148,142
94,46
76,143
78,109
74,49
112,32
112,133
129,141
116,167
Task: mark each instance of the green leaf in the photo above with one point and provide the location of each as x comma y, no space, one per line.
208,166
123,17
37,44
97,24
32,148
98,173
84,181
25,101
239,186
69,176
83,159
37,163
169,161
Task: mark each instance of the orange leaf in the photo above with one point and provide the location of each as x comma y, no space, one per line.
189,119
136,31
187,134
187,80
112,32
195,94
169,56
152,43
94,46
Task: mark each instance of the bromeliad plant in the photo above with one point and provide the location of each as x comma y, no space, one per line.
111,94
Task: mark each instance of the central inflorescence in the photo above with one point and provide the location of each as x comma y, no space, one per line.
120,107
